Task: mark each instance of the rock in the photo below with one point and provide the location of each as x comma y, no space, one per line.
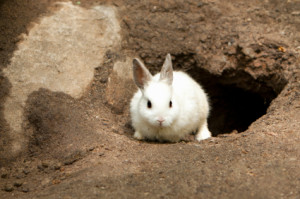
8,188
18,183
200,4
4,173
25,189
40,167
101,154
59,53
26,171
250,52
92,148
45,182
75,156
295,13
120,87
45,164
56,166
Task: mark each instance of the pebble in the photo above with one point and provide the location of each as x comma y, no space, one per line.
75,156
92,148
200,4
18,184
103,80
296,13
25,189
4,175
45,181
57,166
101,154
45,164
40,167
8,188
19,175
69,161
26,171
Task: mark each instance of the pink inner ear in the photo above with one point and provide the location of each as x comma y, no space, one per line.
166,73
141,73
140,76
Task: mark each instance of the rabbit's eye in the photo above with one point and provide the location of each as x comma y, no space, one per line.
170,104
149,105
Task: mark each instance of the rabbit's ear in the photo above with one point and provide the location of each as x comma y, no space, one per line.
166,73
141,74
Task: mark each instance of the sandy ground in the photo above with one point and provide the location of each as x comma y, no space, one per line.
246,56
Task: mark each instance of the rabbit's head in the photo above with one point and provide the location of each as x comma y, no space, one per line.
158,105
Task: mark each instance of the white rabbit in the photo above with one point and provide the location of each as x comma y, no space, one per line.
167,106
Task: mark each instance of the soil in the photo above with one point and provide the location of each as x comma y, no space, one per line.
246,56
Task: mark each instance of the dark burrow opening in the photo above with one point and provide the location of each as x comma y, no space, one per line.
236,100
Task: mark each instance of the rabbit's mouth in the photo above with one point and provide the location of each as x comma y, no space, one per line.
162,125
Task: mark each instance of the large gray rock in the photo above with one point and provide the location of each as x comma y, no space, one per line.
59,54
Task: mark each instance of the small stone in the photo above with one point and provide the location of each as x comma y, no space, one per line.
101,154
4,175
18,184
45,181
92,148
296,13
40,167
203,38
103,80
293,159
56,166
19,175
69,161
75,156
26,171
250,52
56,181
8,188
200,4
231,50
25,189
45,164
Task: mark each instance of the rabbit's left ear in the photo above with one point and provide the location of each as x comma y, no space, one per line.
141,74
166,73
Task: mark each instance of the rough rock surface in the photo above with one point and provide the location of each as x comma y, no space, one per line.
65,86
59,53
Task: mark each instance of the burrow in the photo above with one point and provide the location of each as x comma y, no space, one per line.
236,98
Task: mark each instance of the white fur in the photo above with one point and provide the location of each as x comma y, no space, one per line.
188,113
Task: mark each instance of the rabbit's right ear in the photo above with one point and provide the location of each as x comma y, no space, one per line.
166,73
141,74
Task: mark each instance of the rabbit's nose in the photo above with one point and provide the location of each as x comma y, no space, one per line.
160,120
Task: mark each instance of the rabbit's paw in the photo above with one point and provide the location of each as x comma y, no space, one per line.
137,135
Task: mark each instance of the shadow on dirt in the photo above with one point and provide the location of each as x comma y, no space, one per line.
16,18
